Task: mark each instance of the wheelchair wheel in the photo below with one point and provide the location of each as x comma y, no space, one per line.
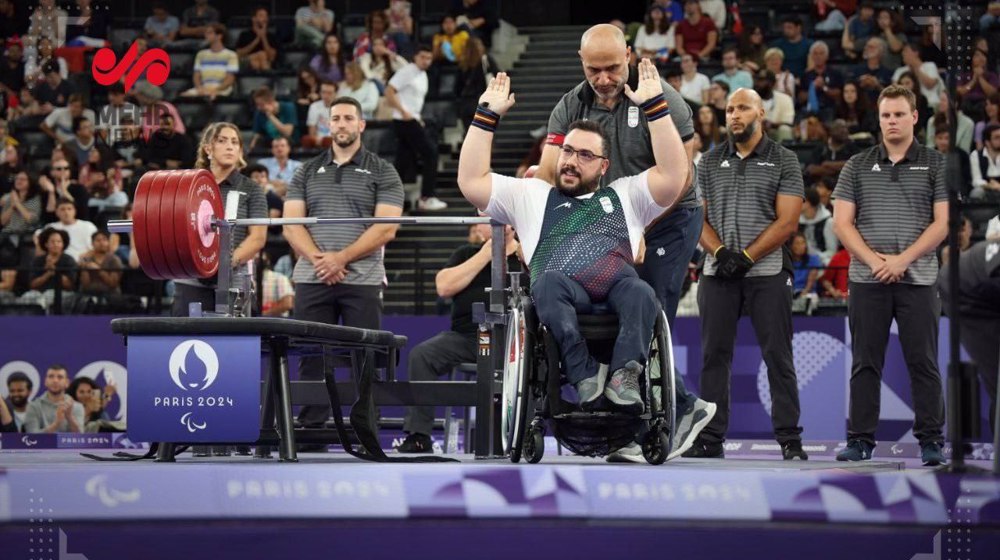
656,446
534,445
516,372
663,380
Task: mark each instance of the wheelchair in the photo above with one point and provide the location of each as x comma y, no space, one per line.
536,395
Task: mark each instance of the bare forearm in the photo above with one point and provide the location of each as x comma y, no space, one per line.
710,240
668,152
929,240
474,162
370,241
451,281
300,240
774,236
250,246
851,239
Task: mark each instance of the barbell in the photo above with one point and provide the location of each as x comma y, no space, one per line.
177,216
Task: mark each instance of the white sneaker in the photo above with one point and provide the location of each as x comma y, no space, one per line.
631,453
690,425
432,203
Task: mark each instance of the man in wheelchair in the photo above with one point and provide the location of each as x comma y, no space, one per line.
581,241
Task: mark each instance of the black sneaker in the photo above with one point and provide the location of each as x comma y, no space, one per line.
930,454
856,450
793,450
416,443
705,450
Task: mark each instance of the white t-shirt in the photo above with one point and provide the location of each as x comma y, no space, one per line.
691,90
60,120
319,116
655,41
79,236
933,94
305,13
521,204
411,85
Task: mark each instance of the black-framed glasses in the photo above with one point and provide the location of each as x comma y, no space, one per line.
585,156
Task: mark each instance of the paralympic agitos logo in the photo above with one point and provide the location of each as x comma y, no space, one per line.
107,69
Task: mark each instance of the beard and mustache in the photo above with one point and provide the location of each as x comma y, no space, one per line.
585,185
748,131
351,138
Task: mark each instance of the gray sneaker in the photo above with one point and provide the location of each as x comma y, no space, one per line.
592,387
690,425
623,388
631,453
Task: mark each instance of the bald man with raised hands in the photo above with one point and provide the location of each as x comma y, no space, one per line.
580,239
753,195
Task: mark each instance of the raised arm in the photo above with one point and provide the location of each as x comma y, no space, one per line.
668,177
474,162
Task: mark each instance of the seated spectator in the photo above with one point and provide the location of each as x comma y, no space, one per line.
106,191
471,80
731,73
258,46
718,93
89,25
794,45
694,84
805,265
924,112
215,68
20,214
273,118
716,11
280,167
401,24
277,294
100,268
47,20
51,269
992,116
963,138
752,48
831,158
195,21
313,23
656,38
812,129
816,226
83,139
275,201
165,148
870,74
11,163
774,60
779,110
708,128
286,264
376,25
34,66
674,76
824,187
821,84
964,241
55,411
150,98
835,278
88,393
380,63
858,30
832,15
857,111
61,186
54,91
477,17
12,68
449,43
890,30
356,86
125,143
58,124
79,232
19,388
307,89
985,165
318,120
111,116
926,73
329,63
161,28
696,34
978,83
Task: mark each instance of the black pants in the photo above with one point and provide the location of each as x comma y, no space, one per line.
350,305
871,307
768,300
558,299
184,295
981,338
414,143
429,360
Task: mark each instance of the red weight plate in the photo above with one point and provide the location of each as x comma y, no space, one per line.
154,237
185,253
203,204
140,225
168,222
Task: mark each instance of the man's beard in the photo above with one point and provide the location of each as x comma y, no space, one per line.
18,402
765,92
582,188
613,95
352,137
748,132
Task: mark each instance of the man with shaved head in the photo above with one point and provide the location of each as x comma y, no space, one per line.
753,196
670,241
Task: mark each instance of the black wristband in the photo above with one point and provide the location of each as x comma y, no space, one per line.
485,119
655,108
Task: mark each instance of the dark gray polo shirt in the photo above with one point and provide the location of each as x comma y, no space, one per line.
741,194
628,131
894,204
350,190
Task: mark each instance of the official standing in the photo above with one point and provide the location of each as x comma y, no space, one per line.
340,276
753,196
221,152
671,241
891,213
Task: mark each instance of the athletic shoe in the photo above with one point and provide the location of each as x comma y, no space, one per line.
432,203
416,443
631,453
793,450
591,388
856,450
705,450
690,425
623,388
930,454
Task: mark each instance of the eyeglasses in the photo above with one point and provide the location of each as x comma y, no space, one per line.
60,169
585,156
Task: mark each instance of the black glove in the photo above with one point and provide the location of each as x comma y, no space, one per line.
732,265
